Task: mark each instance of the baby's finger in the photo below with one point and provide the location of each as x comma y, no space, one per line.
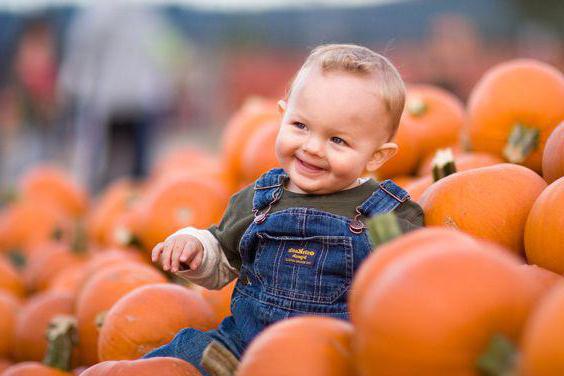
197,260
156,252
188,254
175,256
165,256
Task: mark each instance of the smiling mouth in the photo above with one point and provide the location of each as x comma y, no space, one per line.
309,167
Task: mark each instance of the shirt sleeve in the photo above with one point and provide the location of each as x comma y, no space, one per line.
215,271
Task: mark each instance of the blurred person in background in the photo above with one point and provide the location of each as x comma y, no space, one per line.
118,80
27,99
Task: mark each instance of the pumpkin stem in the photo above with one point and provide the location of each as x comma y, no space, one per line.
218,361
79,243
17,258
99,320
443,164
416,106
383,228
62,337
499,358
521,142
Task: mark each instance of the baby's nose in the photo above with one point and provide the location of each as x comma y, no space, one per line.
313,146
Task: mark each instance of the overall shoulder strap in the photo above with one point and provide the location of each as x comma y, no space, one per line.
385,199
268,188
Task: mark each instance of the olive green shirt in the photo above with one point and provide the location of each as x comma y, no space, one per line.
239,214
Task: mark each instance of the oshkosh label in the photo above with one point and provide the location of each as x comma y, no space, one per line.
300,256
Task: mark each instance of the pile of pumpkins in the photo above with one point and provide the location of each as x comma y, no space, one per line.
478,291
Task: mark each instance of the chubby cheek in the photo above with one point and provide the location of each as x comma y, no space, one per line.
284,147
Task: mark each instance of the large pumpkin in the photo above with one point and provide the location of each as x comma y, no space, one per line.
258,156
488,202
435,312
98,295
553,155
463,160
543,338
33,321
406,159
53,186
143,367
385,255
255,113
522,92
300,346
33,369
544,231
114,201
9,310
178,202
132,327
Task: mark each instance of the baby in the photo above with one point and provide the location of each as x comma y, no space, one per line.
296,236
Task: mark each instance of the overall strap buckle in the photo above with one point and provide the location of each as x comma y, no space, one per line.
356,226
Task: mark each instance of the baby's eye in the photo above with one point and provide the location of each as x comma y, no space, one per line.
299,125
338,141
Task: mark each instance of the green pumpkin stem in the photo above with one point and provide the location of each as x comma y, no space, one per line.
383,228
62,337
416,106
443,164
522,141
217,360
499,358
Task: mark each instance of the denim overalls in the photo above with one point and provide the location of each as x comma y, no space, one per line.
294,261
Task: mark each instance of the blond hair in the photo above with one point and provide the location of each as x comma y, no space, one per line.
357,59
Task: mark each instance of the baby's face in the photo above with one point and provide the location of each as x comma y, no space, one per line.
333,129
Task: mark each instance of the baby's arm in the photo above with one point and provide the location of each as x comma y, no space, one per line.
213,272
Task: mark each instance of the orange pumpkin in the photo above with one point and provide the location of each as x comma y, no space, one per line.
5,364
33,321
49,259
544,230
68,281
9,310
143,367
53,186
543,338
10,279
417,187
488,202
114,201
305,345
435,312
179,202
419,240
33,369
552,160
406,159
131,329
522,91
26,224
100,293
259,156
255,113
542,279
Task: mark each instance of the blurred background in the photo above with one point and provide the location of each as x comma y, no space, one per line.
104,88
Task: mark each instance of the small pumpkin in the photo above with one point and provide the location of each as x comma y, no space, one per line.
489,202
10,279
33,321
552,157
304,345
131,328
100,293
544,230
259,156
513,109
53,186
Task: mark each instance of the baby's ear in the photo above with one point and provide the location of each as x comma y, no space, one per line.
282,106
381,156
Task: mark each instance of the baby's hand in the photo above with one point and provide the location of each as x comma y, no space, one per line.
179,251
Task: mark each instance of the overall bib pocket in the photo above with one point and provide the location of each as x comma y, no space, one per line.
316,269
